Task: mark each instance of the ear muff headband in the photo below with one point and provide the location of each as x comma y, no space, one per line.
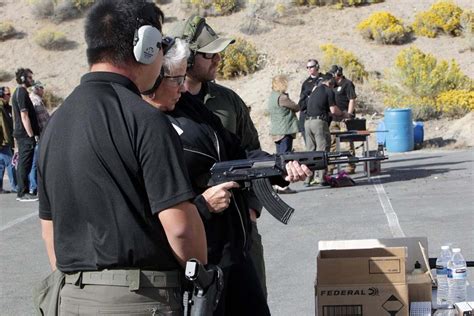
192,29
146,42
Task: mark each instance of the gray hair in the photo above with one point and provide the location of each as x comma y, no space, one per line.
178,53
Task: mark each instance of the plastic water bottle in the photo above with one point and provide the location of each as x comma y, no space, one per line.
457,276
442,276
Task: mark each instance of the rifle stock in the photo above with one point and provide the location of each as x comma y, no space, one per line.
255,173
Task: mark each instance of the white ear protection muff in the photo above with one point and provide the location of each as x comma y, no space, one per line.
146,44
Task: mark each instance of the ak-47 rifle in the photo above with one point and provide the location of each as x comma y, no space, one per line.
255,173
207,289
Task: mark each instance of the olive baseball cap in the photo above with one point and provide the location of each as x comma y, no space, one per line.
200,36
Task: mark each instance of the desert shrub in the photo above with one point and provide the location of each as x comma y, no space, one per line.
455,103
5,75
337,3
42,8
353,68
240,58
417,79
467,28
59,10
50,39
384,28
51,100
6,30
443,16
211,7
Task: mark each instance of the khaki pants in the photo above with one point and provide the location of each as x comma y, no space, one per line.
114,300
340,127
317,138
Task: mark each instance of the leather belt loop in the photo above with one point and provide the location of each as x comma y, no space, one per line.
76,279
133,279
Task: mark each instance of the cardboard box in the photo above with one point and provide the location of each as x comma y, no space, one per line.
368,282
419,287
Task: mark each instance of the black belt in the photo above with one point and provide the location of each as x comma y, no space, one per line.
133,278
318,117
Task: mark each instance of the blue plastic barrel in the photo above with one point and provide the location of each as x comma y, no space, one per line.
418,133
399,124
381,135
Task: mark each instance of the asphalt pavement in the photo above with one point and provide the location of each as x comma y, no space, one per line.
421,193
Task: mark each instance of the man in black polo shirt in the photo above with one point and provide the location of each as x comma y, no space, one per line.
26,132
112,181
321,105
345,98
312,81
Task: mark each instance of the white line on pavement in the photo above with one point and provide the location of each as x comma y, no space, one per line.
17,221
388,209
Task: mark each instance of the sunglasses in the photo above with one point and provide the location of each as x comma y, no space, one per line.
309,67
208,55
177,81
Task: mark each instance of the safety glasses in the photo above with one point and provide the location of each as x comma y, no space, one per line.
175,80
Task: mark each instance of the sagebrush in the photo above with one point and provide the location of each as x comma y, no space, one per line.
51,39
418,79
211,7
240,58
353,68
7,30
384,28
442,17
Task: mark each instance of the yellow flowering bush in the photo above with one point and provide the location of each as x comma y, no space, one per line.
212,7
443,16
455,103
417,80
336,3
467,27
240,58
384,28
353,68
50,39
6,30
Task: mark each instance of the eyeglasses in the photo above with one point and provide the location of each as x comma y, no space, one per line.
309,67
177,81
208,55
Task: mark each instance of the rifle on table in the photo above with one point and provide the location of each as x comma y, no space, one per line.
357,132
255,173
207,289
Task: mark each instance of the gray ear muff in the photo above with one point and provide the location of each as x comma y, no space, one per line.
147,44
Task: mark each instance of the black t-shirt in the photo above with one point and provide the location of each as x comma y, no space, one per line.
344,91
306,89
21,103
109,163
319,101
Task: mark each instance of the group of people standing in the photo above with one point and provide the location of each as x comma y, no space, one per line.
124,168
326,102
21,126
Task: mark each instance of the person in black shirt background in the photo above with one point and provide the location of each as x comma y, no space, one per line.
321,106
115,196
26,132
308,85
345,98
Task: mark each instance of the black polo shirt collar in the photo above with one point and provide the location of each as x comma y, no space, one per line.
109,77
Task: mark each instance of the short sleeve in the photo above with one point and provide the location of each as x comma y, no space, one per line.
331,97
22,103
161,159
351,94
